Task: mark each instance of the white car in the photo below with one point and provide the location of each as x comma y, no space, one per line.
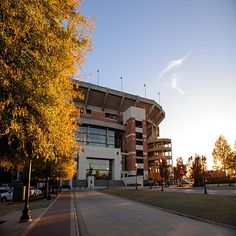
34,191
4,187
7,196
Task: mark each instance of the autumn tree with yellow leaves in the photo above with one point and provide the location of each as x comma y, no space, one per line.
42,44
222,154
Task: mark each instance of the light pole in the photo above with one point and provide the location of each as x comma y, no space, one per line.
205,189
150,177
161,174
26,217
98,76
121,84
136,183
144,89
107,177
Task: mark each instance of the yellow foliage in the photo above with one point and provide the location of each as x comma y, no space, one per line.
42,44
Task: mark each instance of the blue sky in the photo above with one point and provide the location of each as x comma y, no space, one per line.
185,49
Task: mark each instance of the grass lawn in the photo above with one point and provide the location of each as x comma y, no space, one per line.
217,208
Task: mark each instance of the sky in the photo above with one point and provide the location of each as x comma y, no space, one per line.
184,49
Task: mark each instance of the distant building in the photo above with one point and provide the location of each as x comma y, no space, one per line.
118,134
159,148
215,174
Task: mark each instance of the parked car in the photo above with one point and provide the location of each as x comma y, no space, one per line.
34,191
183,181
4,187
7,196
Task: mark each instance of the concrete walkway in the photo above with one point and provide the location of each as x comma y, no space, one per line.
104,215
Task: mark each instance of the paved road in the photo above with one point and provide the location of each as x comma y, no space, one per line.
104,215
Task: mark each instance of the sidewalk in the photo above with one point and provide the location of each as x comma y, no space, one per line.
58,218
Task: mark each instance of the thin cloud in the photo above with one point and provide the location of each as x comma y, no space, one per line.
175,85
173,64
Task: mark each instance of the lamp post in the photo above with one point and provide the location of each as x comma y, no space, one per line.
136,183
205,189
161,171
26,217
107,177
150,178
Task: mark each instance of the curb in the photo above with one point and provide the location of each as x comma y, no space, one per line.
80,220
76,222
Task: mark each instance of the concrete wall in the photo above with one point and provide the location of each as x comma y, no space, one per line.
134,112
132,180
113,154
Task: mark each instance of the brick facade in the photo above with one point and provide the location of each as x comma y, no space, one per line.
145,156
130,142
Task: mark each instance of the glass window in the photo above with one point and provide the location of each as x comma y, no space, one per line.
111,140
139,171
101,138
139,153
111,133
138,124
139,161
138,142
111,116
96,136
139,135
99,168
82,135
93,130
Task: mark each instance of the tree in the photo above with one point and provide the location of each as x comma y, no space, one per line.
164,168
160,170
222,154
180,170
42,43
232,161
197,169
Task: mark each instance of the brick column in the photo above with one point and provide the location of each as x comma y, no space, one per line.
130,138
145,155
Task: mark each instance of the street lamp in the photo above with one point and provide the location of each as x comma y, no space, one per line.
26,217
161,176
136,184
205,189
107,177
150,178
